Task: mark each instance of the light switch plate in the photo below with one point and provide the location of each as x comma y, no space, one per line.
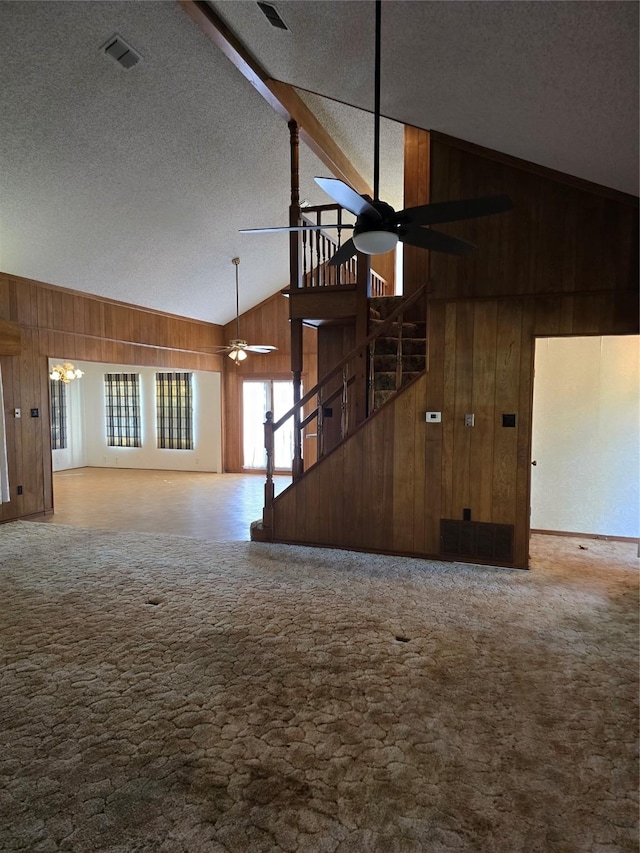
469,420
433,417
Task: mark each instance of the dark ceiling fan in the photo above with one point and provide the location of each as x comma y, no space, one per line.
378,227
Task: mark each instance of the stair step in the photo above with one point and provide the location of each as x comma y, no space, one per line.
385,380
409,330
410,362
409,376
381,397
410,346
381,307
258,532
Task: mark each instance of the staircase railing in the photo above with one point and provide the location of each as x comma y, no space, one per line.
318,247
349,374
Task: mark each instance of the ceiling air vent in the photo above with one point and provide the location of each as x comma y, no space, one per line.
271,14
121,52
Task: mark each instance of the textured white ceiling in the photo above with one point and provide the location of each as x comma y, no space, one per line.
552,82
133,184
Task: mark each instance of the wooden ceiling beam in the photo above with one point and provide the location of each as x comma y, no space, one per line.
282,97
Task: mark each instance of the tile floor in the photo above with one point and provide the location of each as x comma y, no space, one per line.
219,507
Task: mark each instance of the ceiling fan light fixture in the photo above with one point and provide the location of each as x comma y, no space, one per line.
237,355
375,242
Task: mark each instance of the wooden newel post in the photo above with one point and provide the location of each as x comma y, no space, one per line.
295,275
363,292
267,512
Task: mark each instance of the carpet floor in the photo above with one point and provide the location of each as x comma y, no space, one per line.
160,693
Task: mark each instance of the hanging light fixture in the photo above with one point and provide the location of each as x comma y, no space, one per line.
65,372
237,354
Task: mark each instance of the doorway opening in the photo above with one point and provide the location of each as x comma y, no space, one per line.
260,396
584,448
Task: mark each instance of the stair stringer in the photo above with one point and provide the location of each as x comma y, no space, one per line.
371,492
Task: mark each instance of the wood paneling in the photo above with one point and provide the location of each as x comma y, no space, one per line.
416,192
323,303
335,341
9,338
563,262
60,323
561,236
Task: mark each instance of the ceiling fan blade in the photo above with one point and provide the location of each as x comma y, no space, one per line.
344,253
263,348
451,211
290,228
217,350
435,240
347,197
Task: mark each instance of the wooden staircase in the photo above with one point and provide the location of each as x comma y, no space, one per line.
385,363
398,355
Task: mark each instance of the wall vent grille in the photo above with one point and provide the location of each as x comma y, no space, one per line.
272,15
477,539
121,52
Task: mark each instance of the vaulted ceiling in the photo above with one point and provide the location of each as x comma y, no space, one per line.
133,184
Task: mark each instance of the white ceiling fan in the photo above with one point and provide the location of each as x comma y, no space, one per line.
238,348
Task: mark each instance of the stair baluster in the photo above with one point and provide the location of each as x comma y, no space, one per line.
344,408
267,513
399,353
320,425
305,280
371,398
318,248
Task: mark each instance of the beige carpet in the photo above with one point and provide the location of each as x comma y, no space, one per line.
168,694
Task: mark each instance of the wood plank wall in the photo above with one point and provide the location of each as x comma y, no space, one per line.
564,262
266,323
65,324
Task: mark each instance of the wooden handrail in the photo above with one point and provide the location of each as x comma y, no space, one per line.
321,401
401,309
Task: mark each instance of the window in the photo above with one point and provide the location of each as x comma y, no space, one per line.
174,411
58,396
122,407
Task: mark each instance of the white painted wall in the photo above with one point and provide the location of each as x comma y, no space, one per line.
586,435
87,433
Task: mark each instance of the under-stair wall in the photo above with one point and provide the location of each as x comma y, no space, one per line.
564,262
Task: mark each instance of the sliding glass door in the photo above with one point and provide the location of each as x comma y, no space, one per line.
260,396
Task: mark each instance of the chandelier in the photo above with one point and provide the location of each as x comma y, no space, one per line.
65,372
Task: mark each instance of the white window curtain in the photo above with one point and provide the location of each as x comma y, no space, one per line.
4,466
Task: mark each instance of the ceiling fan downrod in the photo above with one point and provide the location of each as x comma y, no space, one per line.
376,125
236,263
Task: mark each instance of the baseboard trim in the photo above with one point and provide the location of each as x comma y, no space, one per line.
633,539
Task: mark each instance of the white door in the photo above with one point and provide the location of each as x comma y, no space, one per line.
260,396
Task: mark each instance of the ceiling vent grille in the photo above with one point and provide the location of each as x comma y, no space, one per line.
272,15
121,52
